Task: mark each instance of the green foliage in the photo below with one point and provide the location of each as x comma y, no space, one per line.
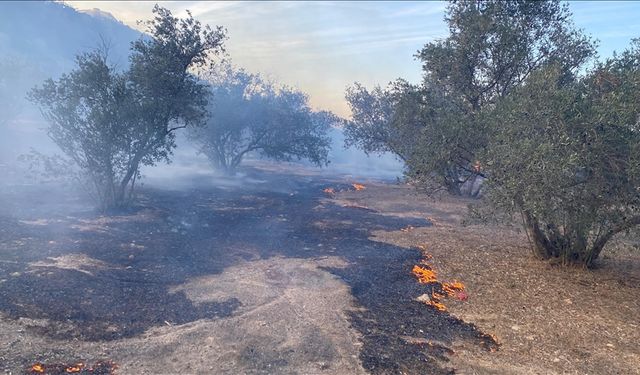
565,156
374,127
493,46
110,123
249,114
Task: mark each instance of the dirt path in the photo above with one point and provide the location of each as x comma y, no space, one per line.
271,277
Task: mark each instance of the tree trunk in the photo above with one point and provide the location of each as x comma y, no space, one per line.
451,182
539,242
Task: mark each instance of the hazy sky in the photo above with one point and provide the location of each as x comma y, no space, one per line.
321,47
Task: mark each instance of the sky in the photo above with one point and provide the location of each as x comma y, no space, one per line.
323,47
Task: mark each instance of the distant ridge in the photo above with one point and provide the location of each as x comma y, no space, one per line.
51,34
39,40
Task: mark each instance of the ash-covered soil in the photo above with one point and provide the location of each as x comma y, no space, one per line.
268,276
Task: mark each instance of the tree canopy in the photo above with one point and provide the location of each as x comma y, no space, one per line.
252,115
566,156
110,123
492,47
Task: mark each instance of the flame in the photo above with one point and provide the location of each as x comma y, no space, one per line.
358,187
462,296
438,305
424,275
329,190
76,368
434,301
452,288
438,296
37,368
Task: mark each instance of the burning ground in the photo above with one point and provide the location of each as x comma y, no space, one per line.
286,271
273,276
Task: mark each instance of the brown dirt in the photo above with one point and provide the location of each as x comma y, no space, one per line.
269,277
548,319
276,277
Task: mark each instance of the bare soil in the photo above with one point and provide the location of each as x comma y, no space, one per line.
548,319
268,274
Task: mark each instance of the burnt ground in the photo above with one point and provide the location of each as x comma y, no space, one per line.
272,276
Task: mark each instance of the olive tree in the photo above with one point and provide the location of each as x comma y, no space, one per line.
112,122
492,47
251,115
374,127
566,156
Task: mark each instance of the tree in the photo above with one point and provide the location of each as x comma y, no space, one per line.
566,156
439,125
492,47
112,123
373,127
411,122
249,114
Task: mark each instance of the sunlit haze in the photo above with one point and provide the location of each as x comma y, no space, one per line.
321,47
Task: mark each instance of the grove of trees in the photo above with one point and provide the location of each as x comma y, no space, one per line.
111,122
508,97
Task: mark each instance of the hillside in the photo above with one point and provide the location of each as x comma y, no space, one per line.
39,40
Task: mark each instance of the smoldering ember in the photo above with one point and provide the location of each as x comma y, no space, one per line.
320,187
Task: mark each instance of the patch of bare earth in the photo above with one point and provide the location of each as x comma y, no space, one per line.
292,320
548,319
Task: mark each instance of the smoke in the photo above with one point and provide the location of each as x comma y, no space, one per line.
354,162
189,169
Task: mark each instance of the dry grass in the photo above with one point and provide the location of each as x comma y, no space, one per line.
548,319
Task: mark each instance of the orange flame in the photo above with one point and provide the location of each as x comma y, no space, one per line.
438,305
424,275
73,369
452,288
434,301
37,368
329,191
358,187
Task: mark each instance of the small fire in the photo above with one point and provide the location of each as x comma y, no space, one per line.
434,301
329,191
462,296
438,305
477,167
358,187
424,275
407,228
73,369
452,288
37,368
